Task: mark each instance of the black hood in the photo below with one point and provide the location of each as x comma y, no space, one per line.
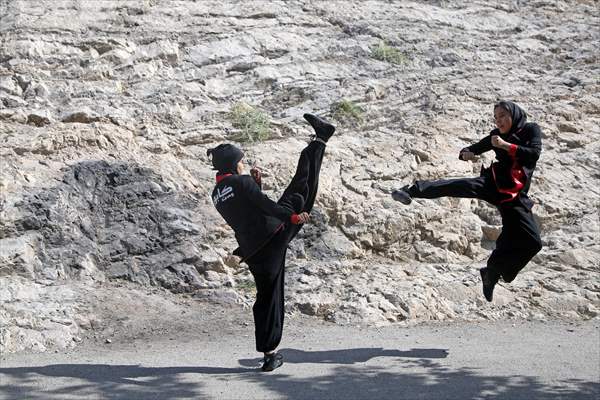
225,158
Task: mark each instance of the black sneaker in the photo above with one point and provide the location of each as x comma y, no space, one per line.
402,195
322,128
271,362
489,280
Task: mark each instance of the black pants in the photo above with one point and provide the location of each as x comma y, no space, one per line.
520,238
268,264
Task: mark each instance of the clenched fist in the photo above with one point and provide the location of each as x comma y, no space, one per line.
500,143
468,156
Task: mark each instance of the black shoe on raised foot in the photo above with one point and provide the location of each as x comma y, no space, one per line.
489,280
402,195
322,128
271,362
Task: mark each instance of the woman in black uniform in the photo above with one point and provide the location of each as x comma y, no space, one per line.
505,184
263,228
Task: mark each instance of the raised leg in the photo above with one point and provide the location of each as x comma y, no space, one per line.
305,181
477,188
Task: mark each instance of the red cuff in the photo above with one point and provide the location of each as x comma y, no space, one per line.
295,219
512,151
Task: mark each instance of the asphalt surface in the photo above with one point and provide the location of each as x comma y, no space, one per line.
505,360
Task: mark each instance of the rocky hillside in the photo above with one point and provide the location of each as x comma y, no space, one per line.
107,109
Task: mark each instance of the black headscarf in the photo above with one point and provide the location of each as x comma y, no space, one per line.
519,116
225,158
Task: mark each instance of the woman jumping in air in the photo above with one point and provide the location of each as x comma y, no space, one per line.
264,228
505,184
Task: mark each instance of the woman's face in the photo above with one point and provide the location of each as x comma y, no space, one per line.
503,119
240,168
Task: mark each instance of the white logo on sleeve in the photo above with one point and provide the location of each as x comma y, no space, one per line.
223,194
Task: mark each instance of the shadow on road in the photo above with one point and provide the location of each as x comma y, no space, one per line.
130,382
348,374
347,356
421,379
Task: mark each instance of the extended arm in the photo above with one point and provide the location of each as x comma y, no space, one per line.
480,147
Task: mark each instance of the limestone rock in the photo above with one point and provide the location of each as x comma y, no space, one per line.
105,184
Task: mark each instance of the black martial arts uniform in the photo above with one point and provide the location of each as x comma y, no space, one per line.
263,229
504,184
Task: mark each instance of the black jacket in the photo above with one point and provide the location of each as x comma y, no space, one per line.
529,148
251,214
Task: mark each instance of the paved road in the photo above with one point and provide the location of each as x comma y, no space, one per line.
524,360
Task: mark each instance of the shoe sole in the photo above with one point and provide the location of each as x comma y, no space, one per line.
401,199
278,364
492,296
319,125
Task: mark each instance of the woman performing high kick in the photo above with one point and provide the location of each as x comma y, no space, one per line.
505,184
264,228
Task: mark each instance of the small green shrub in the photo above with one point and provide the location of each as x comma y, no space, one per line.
345,110
387,53
253,124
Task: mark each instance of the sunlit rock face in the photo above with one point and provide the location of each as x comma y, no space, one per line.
107,109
